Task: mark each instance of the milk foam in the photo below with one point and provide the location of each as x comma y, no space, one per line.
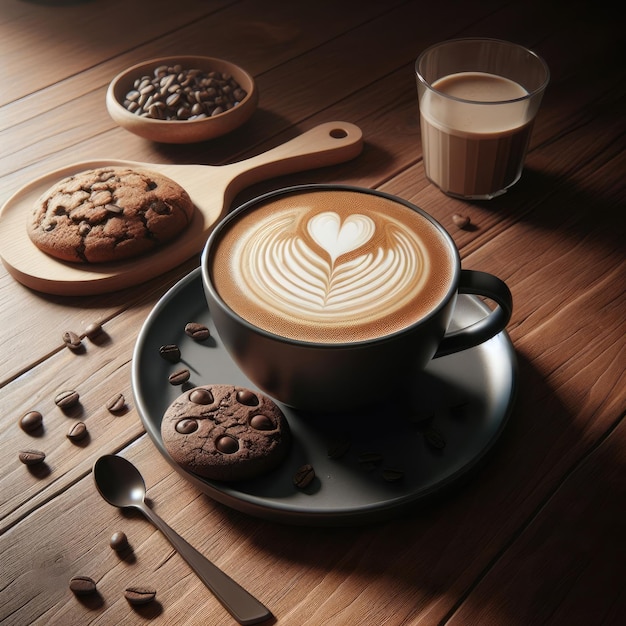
324,271
287,272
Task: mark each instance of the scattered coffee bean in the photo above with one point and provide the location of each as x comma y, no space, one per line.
170,352
177,93
461,221
227,444
304,476
119,541
197,332
32,457
67,399
179,377
93,330
139,595
392,475
458,410
72,340
82,585
338,447
116,403
31,421
434,438
370,460
77,431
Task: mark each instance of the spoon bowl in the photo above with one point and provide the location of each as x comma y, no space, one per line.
120,484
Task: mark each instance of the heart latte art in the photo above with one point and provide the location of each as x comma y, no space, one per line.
331,266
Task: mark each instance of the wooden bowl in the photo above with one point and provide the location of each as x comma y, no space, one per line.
179,130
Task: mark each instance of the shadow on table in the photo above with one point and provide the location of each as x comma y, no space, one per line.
513,530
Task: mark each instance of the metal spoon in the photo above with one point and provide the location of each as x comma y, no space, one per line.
120,484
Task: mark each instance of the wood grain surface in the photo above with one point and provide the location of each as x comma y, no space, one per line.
536,535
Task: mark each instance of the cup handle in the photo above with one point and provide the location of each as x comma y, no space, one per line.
483,284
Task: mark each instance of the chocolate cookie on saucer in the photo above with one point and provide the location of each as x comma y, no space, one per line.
109,214
227,433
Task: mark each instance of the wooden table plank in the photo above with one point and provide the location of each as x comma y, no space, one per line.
535,534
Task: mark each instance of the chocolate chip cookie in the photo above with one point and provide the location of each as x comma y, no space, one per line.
227,433
109,214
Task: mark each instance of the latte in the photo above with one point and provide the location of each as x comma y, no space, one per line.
332,266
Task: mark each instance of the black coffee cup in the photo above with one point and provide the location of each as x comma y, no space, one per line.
327,363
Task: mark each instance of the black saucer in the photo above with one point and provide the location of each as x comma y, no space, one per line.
395,456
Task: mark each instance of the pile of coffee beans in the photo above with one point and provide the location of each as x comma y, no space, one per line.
176,93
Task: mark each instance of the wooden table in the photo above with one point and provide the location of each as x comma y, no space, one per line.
537,535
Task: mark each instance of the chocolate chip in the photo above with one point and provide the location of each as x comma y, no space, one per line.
31,421
461,221
227,444
116,403
67,399
139,595
77,431
82,585
304,476
198,332
170,352
245,396
200,396
119,541
261,422
186,426
32,457
72,340
179,377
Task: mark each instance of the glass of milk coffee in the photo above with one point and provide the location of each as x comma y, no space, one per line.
478,99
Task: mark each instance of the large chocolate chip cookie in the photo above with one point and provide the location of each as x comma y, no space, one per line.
108,214
225,433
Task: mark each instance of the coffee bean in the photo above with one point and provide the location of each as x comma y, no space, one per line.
261,422
139,595
170,352
338,447
119,541
434,438
197,332
82,585
304,476
392,475
227,444
370,460
461,221
72,340
116,403
67,399
32,457
31,421
245,396
77,431
201,396
93,330
179,377
176,93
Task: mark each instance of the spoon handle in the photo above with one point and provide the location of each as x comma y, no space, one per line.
243,606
